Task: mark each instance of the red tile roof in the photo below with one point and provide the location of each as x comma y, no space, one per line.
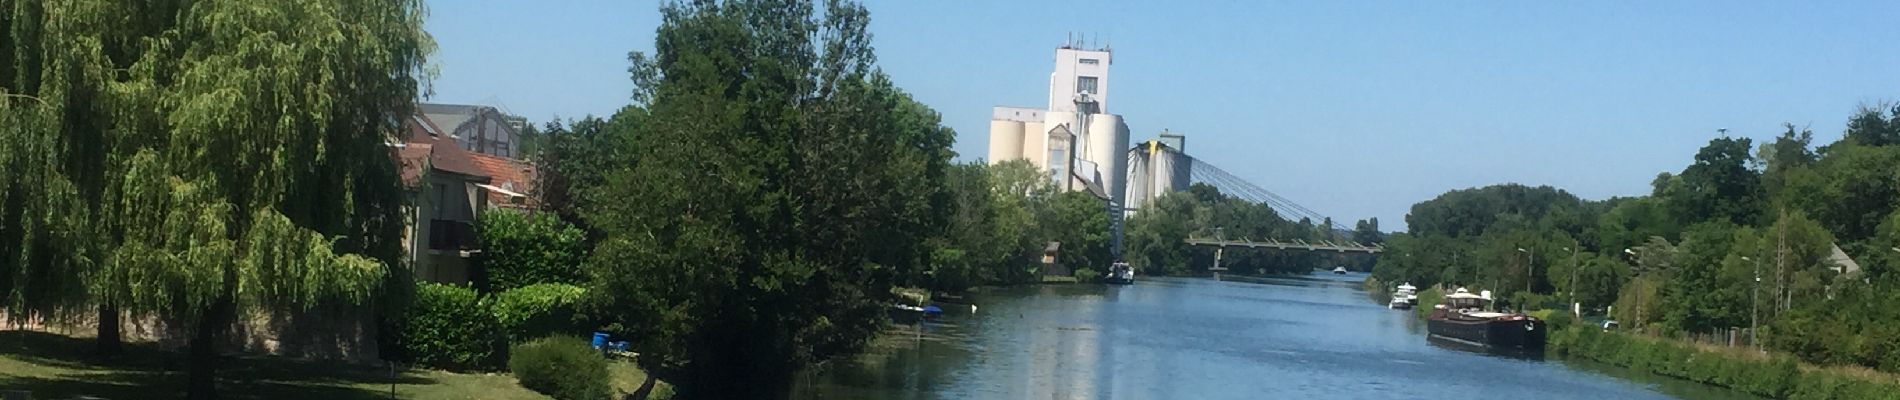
509,174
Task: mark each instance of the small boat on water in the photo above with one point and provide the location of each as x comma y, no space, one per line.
1462,318
905,314
1120,274
1404,297
1339,270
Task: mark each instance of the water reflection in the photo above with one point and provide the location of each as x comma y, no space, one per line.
1507,352
1194,338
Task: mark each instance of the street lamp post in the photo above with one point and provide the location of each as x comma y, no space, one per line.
1530,268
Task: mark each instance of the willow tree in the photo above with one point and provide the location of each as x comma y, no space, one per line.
782,185
207,158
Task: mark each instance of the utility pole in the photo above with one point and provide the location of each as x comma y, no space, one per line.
1754,307
1781,255
1639,291
1575,264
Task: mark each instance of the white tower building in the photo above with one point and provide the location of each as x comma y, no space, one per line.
1075,139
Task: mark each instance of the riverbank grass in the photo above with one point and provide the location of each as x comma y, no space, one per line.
52,366
1775,376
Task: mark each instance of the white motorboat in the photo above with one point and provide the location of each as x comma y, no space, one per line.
1120,274
1404,297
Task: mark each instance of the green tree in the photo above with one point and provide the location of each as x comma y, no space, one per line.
1699,295
1367,231
1633,221
979,247
577,158
1719,185
1018,189
1157,234
782,187
1849,191
220,157
1874,125
1785,160
1079,221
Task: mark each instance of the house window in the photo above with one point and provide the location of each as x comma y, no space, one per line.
1085,84
1089,61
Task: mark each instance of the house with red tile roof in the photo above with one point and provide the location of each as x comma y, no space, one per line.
446,193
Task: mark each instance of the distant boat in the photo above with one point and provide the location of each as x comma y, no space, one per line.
906,314
1339,270
1462,318
1120,274
1403,298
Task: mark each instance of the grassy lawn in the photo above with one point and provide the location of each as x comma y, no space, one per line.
58,367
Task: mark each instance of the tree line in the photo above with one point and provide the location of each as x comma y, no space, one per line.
1157,234
747,214
1745,235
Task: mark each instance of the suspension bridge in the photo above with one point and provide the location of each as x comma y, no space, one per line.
1158,167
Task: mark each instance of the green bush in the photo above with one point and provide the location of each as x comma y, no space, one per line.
1427,299
1777,377
523,249
540,310
561,367
1556,319
1086,275
451,327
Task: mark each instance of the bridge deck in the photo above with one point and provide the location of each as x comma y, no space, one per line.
1296,244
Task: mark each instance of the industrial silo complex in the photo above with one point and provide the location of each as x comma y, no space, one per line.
1075,139
1157,167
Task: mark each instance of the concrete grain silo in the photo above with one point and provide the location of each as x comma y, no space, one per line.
1108,149
1006,140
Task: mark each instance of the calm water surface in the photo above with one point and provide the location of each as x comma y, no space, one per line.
1165,338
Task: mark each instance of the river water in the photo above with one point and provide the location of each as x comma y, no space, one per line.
1318,337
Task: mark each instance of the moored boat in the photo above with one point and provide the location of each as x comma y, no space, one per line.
1403,297
1339,270
1462,318
905,314
1120,274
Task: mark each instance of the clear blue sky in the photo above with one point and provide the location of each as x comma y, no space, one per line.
1354,109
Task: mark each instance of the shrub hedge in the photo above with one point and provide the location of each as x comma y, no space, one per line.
451,327
1778,376
561,367
1086,275
523,249
541,310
